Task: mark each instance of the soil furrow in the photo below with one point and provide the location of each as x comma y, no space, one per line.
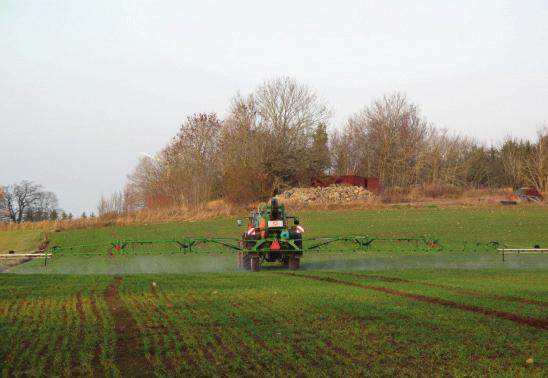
96,361
129,355
80,331
525,320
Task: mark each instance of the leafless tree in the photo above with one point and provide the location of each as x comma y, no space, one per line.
281,116
385,140
191,160
26,201
147,182
534,168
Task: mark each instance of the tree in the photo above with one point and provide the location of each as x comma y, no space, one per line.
272,130
534,168
26,201
148,182
319,156
114,204
54,215
83,216
240,152
191,169
345,155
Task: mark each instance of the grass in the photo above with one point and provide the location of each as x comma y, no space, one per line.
377,313
272,324
518,224
522,226
20,241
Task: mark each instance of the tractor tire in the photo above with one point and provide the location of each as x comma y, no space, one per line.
285,262
255,263
240,260
246,261
293,263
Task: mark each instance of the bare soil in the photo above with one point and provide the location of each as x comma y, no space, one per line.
129,351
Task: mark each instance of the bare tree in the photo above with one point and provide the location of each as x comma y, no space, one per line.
191,160
282,116
147,183
534,168
240,153
119,202
4,212
26,201
386,140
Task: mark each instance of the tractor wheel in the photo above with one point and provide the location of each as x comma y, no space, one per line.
246,261
285,262
255,262
293,263
240,260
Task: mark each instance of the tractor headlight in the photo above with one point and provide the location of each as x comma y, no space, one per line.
284,234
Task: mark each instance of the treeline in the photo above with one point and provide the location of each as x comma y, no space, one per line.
392,140
29,202
276,138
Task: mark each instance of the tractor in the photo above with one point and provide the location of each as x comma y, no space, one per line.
269,237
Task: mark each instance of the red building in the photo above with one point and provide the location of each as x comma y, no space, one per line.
370,183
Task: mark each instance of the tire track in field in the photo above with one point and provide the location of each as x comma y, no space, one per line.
525,320
96,360
459,290
80,333
129,356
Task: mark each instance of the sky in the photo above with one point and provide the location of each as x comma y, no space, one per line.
86,86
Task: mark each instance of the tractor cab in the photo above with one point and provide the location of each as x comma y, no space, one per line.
273,217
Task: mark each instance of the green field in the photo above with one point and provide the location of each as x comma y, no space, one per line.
20,241
376,313
519,226
276,324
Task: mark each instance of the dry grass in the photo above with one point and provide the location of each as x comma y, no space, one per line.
213,209
421,196
433,193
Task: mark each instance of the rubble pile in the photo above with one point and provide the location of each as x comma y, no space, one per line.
326,195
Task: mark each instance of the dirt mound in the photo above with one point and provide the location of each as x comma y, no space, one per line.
327,195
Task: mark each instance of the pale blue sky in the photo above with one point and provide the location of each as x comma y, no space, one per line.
86,86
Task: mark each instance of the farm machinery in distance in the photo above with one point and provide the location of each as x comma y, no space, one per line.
269,237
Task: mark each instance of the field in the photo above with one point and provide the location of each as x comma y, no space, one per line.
20,241
377,313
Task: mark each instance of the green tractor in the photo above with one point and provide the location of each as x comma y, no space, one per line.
269,237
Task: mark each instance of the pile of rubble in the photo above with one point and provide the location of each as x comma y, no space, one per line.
326,195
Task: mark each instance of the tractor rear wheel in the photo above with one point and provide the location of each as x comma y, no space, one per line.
240,260
255,263
293,263
285,262
246,261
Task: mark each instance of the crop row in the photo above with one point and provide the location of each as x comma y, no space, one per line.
63,330
268,324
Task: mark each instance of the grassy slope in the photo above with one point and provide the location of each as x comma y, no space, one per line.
524,226
19,241
275,324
